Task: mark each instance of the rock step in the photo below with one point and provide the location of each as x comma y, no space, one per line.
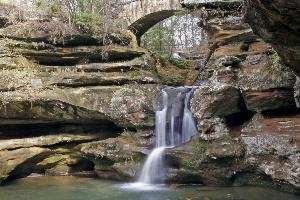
137,63
126,106
78,79
44,141
81,54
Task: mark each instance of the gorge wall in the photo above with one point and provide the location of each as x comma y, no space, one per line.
245,109
71,104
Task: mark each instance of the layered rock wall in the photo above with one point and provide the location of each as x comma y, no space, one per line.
245,110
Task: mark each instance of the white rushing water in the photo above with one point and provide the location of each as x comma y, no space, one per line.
153,170
174,125
189,128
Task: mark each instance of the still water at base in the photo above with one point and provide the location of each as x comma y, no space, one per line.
72,188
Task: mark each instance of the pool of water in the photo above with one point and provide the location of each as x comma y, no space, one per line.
72,188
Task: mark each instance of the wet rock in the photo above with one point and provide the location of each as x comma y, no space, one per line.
208,162
115,158
127,169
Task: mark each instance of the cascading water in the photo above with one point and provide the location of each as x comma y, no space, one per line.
153,170
189,128
174,125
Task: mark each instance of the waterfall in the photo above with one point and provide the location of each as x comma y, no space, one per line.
161,121
189,128
153,170
174,125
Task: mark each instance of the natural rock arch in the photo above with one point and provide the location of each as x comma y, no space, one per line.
143,24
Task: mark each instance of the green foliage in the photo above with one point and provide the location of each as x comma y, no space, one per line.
159,39
88,21
180,63
88,15
179,32
274,57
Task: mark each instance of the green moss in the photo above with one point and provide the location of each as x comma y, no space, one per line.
103,165
199,153
129,135
53,159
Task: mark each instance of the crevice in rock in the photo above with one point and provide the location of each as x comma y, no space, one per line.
238,119
103,129
251,177
281,112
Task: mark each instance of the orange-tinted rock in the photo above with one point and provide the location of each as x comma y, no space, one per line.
272,145
269,100
275,133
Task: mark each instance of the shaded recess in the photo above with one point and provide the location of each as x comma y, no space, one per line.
104,129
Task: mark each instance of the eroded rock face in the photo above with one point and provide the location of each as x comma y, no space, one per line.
244,77
61,90
272,145
53,81
277,22
265,154
297,91
10,160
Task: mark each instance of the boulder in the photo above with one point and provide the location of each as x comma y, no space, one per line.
18,163
116,158
65,164
215,100
207,162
